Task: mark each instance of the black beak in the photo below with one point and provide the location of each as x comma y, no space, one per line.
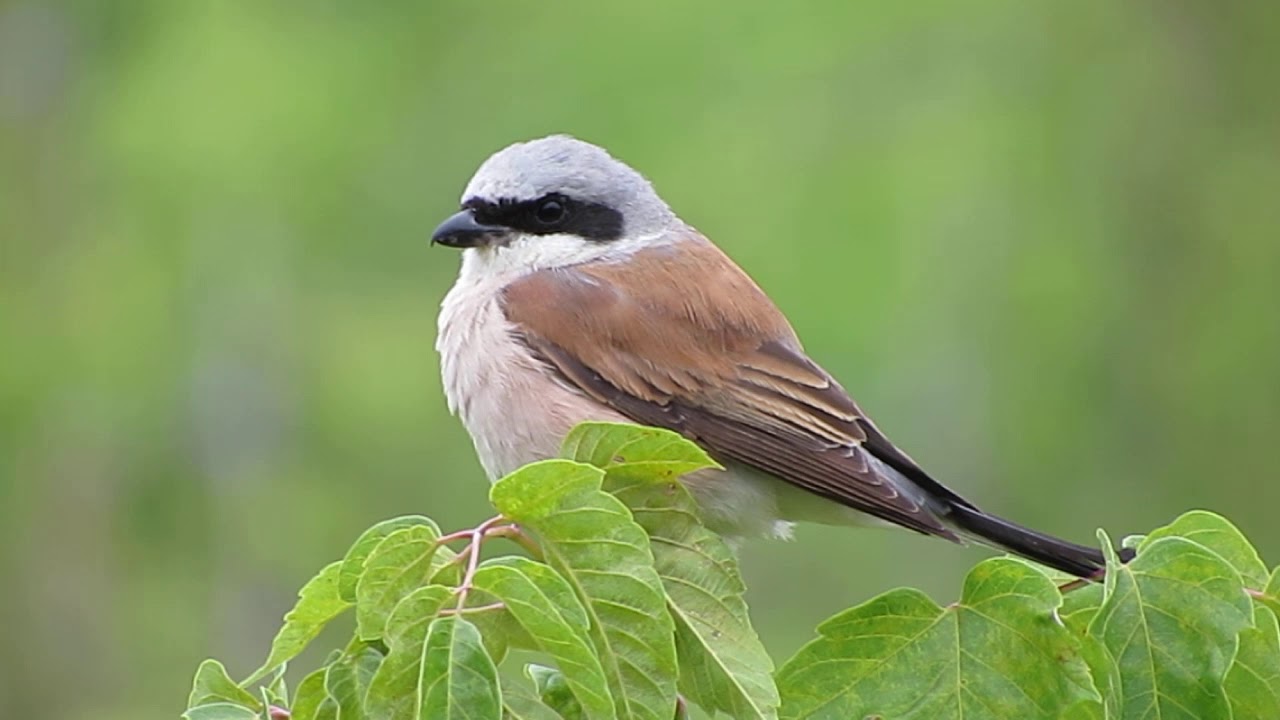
462,230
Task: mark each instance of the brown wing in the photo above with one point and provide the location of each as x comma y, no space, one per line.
704,352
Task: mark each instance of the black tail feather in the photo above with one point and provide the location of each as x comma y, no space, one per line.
1078,560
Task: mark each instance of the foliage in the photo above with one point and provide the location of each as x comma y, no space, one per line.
630,608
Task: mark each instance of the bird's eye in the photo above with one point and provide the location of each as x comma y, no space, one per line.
551,211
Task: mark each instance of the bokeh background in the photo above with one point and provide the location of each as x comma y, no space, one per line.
1039,241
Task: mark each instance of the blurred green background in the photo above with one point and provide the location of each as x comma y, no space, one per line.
1039,241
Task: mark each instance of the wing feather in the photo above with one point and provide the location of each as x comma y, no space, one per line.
725,370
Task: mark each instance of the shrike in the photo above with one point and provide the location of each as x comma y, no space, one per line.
582,296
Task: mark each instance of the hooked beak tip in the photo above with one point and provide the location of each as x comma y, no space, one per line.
462,230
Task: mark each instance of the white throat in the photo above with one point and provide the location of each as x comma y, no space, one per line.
525,254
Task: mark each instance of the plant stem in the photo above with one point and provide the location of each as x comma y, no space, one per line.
475,609
472,551
517,535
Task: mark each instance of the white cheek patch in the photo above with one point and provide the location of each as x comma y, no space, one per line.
529,253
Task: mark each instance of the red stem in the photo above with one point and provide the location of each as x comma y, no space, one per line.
472,551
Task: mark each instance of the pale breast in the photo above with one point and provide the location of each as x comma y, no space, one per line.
510,404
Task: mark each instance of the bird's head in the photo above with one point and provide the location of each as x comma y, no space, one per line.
554,202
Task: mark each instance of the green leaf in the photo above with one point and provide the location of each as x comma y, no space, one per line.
1057,576
353,563
1253,683
347,681
276,690
553,689
401,563
365,664
723,665
1270,594
446,573
998,653
589,537
498,628
1106,679
328,709
307,699
657,453
270,700
220,711
213,685
340,686
538,490
395,691
1132,542
1079,606
545,606
318,603
519,703
1217,534
1169,621
459,679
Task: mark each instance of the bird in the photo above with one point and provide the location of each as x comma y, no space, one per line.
582,296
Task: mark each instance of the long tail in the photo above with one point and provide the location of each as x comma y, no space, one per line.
1081,561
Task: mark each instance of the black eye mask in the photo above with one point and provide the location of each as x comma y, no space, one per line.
550,214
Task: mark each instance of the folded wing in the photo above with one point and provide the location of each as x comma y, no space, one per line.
704,352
